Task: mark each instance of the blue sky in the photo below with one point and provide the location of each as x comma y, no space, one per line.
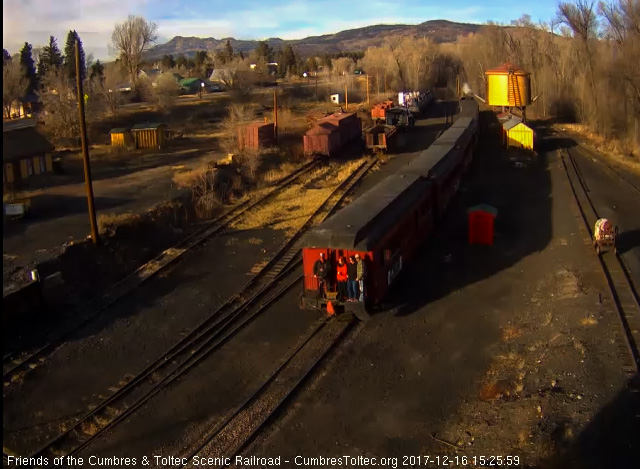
35,20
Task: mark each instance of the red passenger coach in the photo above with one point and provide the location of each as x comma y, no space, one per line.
385,226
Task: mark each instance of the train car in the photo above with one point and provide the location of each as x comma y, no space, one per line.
385,226
441,164
462,134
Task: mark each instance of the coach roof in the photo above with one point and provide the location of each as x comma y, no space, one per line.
361,224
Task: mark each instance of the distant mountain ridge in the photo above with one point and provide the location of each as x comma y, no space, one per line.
349,40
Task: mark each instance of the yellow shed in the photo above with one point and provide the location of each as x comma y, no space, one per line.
517,134
149,135
121,137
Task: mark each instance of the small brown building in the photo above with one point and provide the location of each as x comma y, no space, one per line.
255,136
26,153
149,135
121,137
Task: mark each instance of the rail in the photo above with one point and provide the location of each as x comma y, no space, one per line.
617,277
238,311
14,364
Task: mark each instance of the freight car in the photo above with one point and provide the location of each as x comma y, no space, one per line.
387,224
332,134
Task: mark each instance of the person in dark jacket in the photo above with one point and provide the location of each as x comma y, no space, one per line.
321,272
360,274
352,275
341,277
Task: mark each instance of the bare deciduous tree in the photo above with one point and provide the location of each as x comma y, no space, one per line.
60,105
113,98
166,90
131,39
14,84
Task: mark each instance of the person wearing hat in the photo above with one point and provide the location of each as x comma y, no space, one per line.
360,276
321,272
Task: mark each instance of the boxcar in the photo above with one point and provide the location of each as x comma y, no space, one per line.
385,226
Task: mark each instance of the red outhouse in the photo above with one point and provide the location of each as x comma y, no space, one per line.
481,221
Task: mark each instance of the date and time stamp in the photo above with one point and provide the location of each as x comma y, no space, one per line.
460,461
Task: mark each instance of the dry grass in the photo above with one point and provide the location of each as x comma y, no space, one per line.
504,377
274,175
510,333
89,428
188,179
291,208
109,222
621,152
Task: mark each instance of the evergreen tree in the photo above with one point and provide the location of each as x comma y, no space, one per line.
289,60
6,57
29,67
70,57
168,62
228,49
264,52
50,58
181,61
97,71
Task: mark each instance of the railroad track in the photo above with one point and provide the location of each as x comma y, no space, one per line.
264,288
617,276
237,429
620,175
23,363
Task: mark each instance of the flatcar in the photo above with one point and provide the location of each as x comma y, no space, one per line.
387,224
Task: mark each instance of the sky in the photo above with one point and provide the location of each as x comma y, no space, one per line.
35,20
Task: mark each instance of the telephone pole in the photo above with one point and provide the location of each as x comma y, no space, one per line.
346,98
275,114
85,150
368,101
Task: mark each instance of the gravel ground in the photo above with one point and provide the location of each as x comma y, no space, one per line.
128,336
513,350
616,200
145,324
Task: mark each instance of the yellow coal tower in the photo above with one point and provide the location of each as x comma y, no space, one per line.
507,85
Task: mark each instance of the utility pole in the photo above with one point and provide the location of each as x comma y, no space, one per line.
385,81
316,87
346,97
368,101
275,114
85,151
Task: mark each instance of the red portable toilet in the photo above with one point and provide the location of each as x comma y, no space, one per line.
481,218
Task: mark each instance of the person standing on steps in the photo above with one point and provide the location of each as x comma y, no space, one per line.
352,283
360,272
321,272
341,277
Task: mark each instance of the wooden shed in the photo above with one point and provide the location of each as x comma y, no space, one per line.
121,137
517,134
255,136
149,135
25,154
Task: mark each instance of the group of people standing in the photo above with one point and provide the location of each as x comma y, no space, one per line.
349,277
